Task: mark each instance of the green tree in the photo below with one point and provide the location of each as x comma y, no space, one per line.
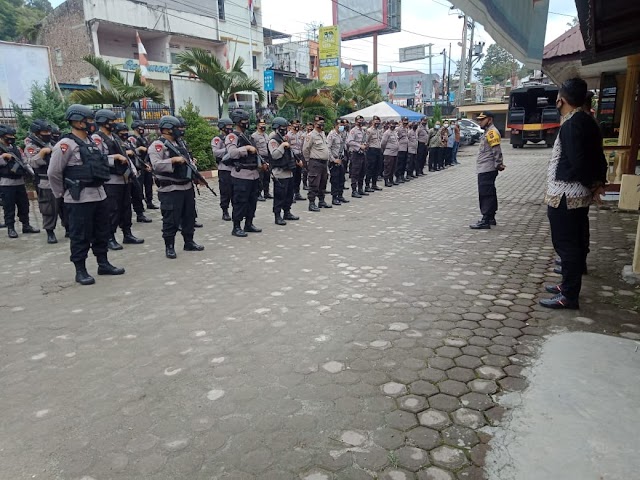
198,135
46,103
328,113
342,98
437,116
499,64
365,90
118,91
302,96
20,20
208,68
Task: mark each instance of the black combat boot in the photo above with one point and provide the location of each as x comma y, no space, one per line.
225,215
375,186
151,206
323,204
313,207
342,199
297,196
237,230
51,237
481,225
113,244
261,198
279,219
355,193
11,232
290,216
105,268
142,218
82,276
130,238
191,246
26,228
169,248
267,195
335,201
249,227
197,224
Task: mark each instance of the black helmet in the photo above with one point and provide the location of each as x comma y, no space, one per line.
55,130
183,122
138,124
239,115
103,116
279,122
121,126
169,122
7,130
77,112
39,125
224,123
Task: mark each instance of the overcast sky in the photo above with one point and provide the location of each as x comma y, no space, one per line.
429,18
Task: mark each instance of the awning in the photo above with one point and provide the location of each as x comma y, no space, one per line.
518,26
386,111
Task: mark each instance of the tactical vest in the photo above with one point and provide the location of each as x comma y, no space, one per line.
11,169
181,174
114,149
250,162
94,170
286,162
41,172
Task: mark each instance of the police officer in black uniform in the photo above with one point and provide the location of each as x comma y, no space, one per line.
76,173
141,145
191,158
225,125
137,194
283,164
55,133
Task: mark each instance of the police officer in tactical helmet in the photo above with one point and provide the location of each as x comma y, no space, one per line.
77,171
283,165
225,125
55,133
141,145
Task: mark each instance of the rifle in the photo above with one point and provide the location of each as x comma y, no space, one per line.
195,174
261,160
19,164
47,159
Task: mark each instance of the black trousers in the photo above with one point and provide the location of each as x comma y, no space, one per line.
226,188
318,175
421,158
282,195
487,194
568,228
374,161
434,153
337,177
401,164
119,204
389,166
15,196
411,164
88,228
297,179
137,196
63,212
448,151
265,178
245,199
357,170
146,179
48,208
178,210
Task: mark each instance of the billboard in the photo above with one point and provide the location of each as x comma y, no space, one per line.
21,66
410,54
329,54
363,18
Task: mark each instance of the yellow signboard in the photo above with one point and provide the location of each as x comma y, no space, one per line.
329,55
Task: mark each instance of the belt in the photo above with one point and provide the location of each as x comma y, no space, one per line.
319,160
356,152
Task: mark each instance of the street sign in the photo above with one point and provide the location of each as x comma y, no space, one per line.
268,63
416,52
269,80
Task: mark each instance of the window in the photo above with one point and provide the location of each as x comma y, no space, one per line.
174,57
255,62
58,56
221,9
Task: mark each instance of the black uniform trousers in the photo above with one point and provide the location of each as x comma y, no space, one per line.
411,164
265,177
448,155
146,179
15,196
357,170
178,210
389,166
421,158
434,155
63,212
318,175
374,159
48,206
487,194
336,178
282,195
226,188
137,196
568,228
401,164
88,228
297,179
245,199
119,204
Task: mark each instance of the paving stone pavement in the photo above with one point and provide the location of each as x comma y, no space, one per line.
373,340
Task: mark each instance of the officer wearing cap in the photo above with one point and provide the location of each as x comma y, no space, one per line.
316,151
296,139
489,163
76,172
261,141
175,188
374,155
37,150
283,165
141,145
245,175
403,149
336,145
389,145
225,125
357,144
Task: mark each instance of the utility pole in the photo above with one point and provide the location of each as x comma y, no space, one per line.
375,53
444,69
473,26
449,78
430,73
253,100
463,63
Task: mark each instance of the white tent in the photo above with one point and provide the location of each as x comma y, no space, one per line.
386,111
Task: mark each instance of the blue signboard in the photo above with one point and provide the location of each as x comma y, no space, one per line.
269,80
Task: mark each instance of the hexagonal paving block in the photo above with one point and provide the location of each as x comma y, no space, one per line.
353,473
404,375
460,374
490,372
480,341
442,363
422,387
474,350
477,401
412,458
448,457
444,402
495,415
394,389
434,419
389,438
460,436
316,474
412,403
513,384
435,473
467,361
373,459
401,420
468,418
510,332
396,474
448,352
480,385
501,350
514,371
471,473
495,360
432,375
452,387
424,437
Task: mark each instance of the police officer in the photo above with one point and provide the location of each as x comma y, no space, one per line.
316,151
55,133
389,145
403,149
76,173
489,164
423,141
118,187
37,149
261,141
357,145
374,155
13,169
434,147
412,151
137,194
245,176
175,189
62,213
225,125
183,143
141,145
336,145
283,165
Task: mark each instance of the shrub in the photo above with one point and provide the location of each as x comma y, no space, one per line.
47,104
198,135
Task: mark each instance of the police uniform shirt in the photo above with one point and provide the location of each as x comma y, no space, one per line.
239,153
32,154
315,146
97,139
277,151
355,138
412,138
297,141
489,151
219,151
334,142
374,137
260,140
160,158
390,143
403,141
423,133
66,153
10,182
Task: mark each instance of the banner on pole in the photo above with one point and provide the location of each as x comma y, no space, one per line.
329,55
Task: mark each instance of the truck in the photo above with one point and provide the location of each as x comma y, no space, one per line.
533,116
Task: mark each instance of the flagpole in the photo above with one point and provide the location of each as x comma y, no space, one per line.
250,9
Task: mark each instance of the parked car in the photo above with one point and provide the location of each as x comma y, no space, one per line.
151,112
469,136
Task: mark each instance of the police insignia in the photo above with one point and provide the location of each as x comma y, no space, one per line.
493,138
97,140
31,150
158,147
216,141
64,147
231,137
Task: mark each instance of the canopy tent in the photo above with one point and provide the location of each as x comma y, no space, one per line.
386,111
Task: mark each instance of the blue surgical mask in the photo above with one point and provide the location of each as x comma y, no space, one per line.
437,126
341,128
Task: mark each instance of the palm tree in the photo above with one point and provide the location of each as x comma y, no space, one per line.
119,91
341,96
365,90
301,96
208,68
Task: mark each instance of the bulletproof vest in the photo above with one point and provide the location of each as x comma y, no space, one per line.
114,149
94,170
41,172
11,170
287,161
181,172
251,160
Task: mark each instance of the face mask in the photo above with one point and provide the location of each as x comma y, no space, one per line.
415,127
89,127
262,129
446,125
10,140
296,128
282,131
123,136
321,125
46,138
140,131
109,126
176,133
341,128
55,137
359,124
228,130
376,125
244,125
392,127
437,126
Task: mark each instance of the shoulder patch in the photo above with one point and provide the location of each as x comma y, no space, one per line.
493,138
159,147
97,140
216,141
231,137
31,150
64,147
